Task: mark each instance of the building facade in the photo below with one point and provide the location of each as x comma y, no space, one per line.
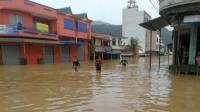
132,17
100,45
184,16
106,46
32,33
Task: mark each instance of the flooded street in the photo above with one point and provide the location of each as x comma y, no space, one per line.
57,88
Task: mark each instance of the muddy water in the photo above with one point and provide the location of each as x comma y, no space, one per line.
57,88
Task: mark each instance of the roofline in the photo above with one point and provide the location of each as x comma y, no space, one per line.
59,11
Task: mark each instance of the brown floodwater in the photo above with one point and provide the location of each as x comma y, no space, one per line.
57,88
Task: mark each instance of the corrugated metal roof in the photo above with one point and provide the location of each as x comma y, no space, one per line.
155,24
82,16
66,10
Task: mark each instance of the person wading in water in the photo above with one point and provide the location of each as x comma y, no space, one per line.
76,64
98,64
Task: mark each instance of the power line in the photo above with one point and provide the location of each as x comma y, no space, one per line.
154,5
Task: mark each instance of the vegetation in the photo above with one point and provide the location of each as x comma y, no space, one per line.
134,46
106,28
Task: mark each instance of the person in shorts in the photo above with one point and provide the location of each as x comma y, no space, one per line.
76,64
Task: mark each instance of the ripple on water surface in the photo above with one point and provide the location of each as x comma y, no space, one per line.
57,88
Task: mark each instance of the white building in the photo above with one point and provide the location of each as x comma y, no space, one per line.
132,17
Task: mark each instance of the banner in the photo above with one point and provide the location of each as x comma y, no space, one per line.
44,28
8,29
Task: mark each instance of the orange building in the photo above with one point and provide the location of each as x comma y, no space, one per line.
31,33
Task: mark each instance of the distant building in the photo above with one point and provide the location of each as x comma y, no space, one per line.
106,46
132,17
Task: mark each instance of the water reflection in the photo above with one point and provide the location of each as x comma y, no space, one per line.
57,88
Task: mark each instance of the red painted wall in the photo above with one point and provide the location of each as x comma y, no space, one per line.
73,52
28,6
34,52
86,51
27,17
60,26
22,50
57,54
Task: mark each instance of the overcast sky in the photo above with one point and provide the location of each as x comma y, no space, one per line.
104,10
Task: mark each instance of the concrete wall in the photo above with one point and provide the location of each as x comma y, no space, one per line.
164,4
132,17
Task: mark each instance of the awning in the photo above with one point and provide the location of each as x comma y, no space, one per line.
28,40
114,52
155,24
69,42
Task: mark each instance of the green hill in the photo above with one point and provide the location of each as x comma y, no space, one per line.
106,28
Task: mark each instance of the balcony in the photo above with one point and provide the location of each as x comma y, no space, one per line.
28,6
13,31
101,48
119,47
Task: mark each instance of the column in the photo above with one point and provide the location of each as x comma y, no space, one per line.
193,44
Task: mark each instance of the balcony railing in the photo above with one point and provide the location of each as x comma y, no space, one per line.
14,30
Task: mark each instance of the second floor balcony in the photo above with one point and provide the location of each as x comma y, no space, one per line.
25,32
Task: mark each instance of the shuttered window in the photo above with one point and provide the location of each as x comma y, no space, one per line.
69,24
82,27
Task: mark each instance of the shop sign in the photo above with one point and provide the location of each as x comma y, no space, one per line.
191,19
44,28
8,29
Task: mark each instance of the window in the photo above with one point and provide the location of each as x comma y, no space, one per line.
82,27
114,42
15,19
69,24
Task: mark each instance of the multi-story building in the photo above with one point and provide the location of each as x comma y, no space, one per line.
107,46
184,17
132,17
33,33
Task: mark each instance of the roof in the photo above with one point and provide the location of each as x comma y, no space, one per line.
155,24
82,16
101,36
66,10
105,36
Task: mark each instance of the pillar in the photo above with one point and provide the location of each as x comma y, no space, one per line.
57,54
174,46
23,50
150,60
193,44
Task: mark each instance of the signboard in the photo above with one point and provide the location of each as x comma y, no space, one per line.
44,28
8,29
191,19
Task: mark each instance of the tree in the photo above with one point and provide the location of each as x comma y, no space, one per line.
134,46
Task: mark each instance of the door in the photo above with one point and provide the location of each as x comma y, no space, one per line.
64,54
11,54
48,54
81,53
